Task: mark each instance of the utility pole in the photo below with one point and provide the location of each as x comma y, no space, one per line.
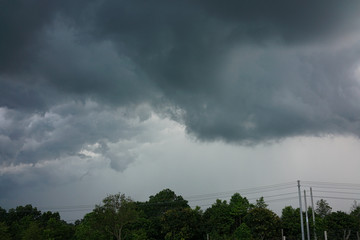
313,213
306,216
301,216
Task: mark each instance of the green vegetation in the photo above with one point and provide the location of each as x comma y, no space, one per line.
167,216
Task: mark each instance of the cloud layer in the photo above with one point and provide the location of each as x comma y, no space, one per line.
74,75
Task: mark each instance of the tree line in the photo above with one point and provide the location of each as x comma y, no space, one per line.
167,216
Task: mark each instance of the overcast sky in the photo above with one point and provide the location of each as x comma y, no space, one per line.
106,96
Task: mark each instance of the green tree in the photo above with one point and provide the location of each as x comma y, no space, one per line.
4,233
137,230
243,232
138,234
355,209
164,201
88,229
3,215
341,225
156,207
182,224
46,216
26,222
239,207
355,212
218,219
290,223
260,203
116,212
322,208
57,229
23,211
264,223
19,219
33,232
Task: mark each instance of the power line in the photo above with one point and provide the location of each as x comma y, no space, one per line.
348,186
271,196
245,190
337,192
282,199
242,193
332,183
340,198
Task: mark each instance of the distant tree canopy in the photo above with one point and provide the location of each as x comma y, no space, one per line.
26,222
167,216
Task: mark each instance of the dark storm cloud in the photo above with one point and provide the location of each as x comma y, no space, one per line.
240,71
285,95
22,23
19,27
293,21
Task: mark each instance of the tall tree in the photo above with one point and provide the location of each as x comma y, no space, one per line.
290,223
3,215
264,223
341,225
322,208
239,207
243,232
58,229
116,212
260,203
19,219
218,220
164,201
156,207
182,223
355,211
88,229
33,232
23,211
4,231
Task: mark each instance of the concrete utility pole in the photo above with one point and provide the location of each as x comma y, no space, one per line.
313,213
307,217
282,235
301,216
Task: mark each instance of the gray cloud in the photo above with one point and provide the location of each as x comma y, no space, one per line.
63,131
18,28
294,22
242,72
276,87
271,95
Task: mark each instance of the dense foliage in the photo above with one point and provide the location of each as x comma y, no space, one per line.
167,216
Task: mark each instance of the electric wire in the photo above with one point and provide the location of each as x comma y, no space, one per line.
337,192
334,197
332,183
327,185
245,190
279,196
194,198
